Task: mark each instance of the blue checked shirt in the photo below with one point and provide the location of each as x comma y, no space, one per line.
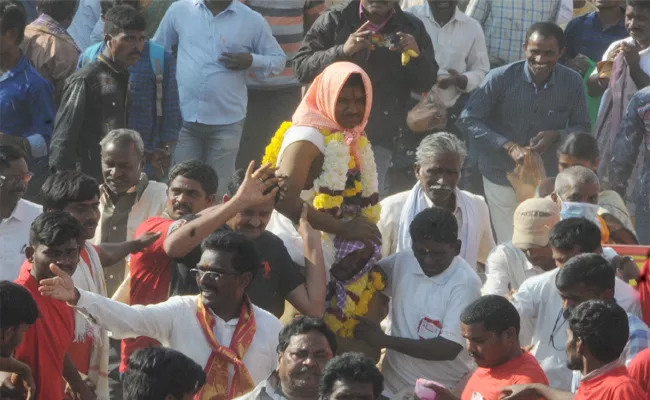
585,35
142,93
509,107
505,23
638,341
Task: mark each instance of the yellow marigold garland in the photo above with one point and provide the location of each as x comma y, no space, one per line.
364,288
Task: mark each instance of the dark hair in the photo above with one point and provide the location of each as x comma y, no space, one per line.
639,3
350,367
580,145
435,223
588,268
17,306
9,154
547,30
123,18
197,171
495,312
66,187
236,181
106,5
603,326
12,16
303,324
154,373
245,257
55,228
355,80
59,10
573,232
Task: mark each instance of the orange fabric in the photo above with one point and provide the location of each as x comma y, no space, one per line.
604,230
644,291
216,369
639,370
612,385
318,107
488,382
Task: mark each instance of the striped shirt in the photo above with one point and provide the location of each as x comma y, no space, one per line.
505,23
585,35
510,107
287,21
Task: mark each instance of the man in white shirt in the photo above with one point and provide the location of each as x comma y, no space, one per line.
460,49
16,214
528,254
430,286
438,165
220,329
539,299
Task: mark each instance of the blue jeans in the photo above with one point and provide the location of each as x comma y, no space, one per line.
216,145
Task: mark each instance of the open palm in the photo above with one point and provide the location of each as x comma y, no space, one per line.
61,287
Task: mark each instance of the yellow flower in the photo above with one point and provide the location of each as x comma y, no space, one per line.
273,149
377,280
332,322
351,192
326,202
363,142
339,137
352,164
372,212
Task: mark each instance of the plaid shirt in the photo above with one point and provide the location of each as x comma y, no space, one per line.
505,23
585,35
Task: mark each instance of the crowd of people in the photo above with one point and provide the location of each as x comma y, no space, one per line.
227,199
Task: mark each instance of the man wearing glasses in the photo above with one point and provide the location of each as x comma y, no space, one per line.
16,213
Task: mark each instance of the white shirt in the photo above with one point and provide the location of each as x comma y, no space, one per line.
418,301
14,238
391,213
460,45
174,324
644,54
539,299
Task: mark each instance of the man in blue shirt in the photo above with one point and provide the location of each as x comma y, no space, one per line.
591,34
527,106
26,98
220,43
154,109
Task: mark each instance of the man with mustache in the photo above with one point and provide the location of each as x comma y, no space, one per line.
429,286
527,106
219,329
305,346
95,98
16,213
438,165
490,326
54,242
78,194
283,279
127,196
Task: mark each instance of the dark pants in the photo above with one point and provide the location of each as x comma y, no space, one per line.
267,109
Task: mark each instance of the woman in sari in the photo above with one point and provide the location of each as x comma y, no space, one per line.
328,163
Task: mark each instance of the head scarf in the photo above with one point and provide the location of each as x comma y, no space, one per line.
318,107
611,203
343,248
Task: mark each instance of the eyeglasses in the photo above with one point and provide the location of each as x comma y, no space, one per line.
556,329
211,276
16,178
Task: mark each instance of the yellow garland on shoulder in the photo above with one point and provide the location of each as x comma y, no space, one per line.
324,201
353,191
365,289
273,149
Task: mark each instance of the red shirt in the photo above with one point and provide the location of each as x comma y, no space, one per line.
612,385
47,341
639,370
488,382
644,291
150,279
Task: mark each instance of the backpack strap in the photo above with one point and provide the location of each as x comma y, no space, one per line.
157,57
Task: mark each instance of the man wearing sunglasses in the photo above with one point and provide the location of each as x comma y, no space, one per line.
16,213
220,329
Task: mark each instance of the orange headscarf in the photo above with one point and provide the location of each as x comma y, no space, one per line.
318,107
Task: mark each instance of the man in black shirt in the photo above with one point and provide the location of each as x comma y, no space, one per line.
281,277
95,98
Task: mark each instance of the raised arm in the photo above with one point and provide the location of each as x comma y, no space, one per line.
112,253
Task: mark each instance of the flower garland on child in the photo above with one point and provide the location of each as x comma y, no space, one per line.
343,189
359,295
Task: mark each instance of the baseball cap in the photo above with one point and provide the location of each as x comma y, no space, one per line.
533,221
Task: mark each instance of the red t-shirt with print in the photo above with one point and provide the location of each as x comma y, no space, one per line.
612,385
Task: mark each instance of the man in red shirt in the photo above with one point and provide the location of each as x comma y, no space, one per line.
155,273
639,370
490,325
55,238
597,334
